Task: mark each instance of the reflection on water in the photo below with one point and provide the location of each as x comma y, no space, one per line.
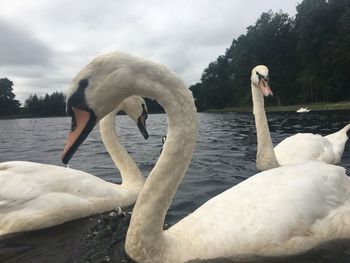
224,156
98,238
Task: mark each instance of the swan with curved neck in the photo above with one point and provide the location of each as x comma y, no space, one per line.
266,215
296,148
35,196
136,108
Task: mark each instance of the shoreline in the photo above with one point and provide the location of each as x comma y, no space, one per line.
318,106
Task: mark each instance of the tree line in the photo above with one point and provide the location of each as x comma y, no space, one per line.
48,105
8,104
308,56
42,106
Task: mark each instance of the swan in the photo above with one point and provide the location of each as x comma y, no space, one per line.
302,110
35,196
296,148
282,211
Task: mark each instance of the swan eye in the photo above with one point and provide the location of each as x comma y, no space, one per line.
74,123
78,98
83,83
260,76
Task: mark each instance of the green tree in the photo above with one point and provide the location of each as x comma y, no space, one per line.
57,104
49,105
322,28
217,84
8,104
153,106
271,41
308,58
32,105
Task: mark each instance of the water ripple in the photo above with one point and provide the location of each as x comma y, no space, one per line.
224,156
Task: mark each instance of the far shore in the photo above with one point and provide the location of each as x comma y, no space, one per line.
28,116
319,106
20,116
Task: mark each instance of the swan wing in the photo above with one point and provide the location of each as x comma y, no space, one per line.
304,147
284,210
338,140
34,195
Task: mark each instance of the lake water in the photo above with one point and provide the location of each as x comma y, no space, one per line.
224,156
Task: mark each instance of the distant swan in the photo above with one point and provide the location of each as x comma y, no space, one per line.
302,110
296,148
282,211
35,196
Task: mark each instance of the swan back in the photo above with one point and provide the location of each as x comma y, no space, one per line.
276,212
304,146
338,141
308,146
35,196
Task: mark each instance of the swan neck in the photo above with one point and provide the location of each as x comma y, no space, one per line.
145,232
265,157
129,172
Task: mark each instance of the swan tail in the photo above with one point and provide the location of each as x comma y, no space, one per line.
343,133
346,130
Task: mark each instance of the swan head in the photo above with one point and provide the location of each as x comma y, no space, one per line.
135,107
260,79
85,115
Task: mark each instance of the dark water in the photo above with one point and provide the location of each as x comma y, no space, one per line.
224,156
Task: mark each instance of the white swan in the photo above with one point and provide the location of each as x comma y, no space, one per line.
35,196
302,110
296,148
282,211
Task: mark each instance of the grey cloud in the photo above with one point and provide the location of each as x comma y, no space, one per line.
185,35
18,47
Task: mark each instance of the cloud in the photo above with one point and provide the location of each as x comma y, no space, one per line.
43,44
19,47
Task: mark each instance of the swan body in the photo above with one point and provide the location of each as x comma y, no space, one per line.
302,110
283,211
271,213
35,196
308,146
297,148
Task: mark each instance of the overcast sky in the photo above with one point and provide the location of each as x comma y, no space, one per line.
44,43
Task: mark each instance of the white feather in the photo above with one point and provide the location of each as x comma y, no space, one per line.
282,211
297,148
35,196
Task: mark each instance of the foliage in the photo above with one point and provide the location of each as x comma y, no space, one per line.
153,106
307,56
8,104
323,49
49,105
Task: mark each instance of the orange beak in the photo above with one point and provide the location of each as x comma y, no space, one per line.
82,124
265,87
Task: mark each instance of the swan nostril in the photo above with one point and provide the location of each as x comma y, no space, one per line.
74,123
